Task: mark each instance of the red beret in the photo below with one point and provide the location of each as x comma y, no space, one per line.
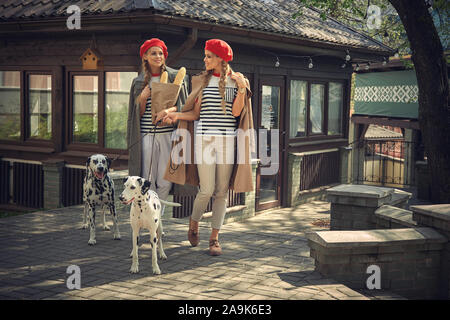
154,42
220,48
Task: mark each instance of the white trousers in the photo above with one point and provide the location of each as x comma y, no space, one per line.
159,157
215,158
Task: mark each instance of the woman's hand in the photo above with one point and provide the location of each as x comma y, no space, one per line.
146,92
160,115
142,99
171,117
239,78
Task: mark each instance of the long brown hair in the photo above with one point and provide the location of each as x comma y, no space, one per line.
148,73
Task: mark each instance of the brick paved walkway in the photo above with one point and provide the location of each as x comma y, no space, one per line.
265,257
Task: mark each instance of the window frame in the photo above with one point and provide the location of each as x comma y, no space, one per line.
27,118
309,136
25,140
98,147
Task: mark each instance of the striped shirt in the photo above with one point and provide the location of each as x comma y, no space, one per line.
213,121
146,119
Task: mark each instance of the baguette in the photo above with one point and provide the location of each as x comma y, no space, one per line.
180,76
164,77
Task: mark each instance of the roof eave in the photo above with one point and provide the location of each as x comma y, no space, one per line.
126,20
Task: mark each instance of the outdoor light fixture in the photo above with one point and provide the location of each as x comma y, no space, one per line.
277,63
344,65
357,67
310,63
368,66
384,61
396,54
347,57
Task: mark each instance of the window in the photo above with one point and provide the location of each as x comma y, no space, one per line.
335,106
117,96
99,108
40,106
85,109
10,105
316,109
298,108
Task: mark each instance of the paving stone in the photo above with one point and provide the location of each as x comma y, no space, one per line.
265,257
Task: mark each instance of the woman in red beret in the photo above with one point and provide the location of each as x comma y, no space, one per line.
217,100
153,53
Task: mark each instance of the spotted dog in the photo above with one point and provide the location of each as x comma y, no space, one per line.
98,190
145,213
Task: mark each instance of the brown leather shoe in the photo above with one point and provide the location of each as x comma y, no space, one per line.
214,248
193,236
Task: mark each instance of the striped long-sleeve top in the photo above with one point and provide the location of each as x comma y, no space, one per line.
146,120
213,121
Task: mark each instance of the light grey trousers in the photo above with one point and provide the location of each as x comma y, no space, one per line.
160,154
215,158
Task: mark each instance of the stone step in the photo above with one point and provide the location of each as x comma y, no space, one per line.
405,261
392,217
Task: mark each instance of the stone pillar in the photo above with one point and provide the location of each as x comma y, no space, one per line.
438,217
344,153
293,184
250,197
117,177
353,206
53,183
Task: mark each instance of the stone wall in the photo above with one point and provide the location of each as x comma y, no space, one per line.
411,248
438,217
353,206
408,259
53,188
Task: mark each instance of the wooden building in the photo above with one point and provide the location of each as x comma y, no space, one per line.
54,114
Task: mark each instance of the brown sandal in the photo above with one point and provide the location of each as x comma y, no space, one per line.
193,236
214,247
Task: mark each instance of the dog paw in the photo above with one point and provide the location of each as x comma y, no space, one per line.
134,268
163,256
117,236
92,242
156,270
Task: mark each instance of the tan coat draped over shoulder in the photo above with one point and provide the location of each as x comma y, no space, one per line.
186,172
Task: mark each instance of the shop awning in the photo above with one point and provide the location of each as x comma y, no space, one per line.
388,94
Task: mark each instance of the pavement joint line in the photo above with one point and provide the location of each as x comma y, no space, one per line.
265,257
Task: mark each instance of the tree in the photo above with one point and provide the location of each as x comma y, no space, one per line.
427,55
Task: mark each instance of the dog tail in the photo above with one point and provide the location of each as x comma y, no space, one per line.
170,204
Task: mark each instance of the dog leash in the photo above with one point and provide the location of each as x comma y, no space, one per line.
140,139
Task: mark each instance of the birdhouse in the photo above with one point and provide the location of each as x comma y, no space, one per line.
91,59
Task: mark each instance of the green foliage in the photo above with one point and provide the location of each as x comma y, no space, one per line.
391,31
116,128
85,128
10,127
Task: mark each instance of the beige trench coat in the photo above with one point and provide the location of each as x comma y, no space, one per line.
186,172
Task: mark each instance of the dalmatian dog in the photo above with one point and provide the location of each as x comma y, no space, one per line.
98,190
145,213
